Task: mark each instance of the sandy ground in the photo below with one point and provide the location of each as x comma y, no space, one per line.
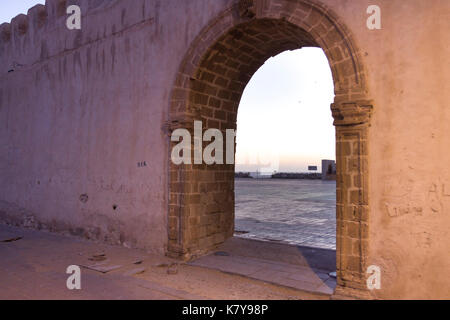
33,266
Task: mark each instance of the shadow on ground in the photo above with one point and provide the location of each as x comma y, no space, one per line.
300,268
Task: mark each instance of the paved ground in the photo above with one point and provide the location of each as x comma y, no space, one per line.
33,266
300,212
291,266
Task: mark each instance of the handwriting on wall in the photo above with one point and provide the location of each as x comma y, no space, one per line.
395,211
404,197
438,195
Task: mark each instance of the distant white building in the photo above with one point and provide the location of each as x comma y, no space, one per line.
261,175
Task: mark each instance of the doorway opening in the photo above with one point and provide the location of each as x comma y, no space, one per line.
284,132
285,213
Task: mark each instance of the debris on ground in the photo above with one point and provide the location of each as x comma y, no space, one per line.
102,267
172,269
221,254
12,239
162,265
136,271
98,257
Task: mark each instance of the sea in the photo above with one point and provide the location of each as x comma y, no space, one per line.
298,212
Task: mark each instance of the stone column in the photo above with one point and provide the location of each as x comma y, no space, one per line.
352,203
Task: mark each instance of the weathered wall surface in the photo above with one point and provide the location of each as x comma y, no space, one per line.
82,108
408,72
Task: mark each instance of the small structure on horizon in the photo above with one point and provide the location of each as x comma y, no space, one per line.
328,170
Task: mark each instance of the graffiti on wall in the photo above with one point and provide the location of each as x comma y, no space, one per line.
406,197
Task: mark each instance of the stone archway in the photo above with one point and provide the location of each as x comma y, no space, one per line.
208,88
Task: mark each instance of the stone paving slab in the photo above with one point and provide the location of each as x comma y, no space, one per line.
240,259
